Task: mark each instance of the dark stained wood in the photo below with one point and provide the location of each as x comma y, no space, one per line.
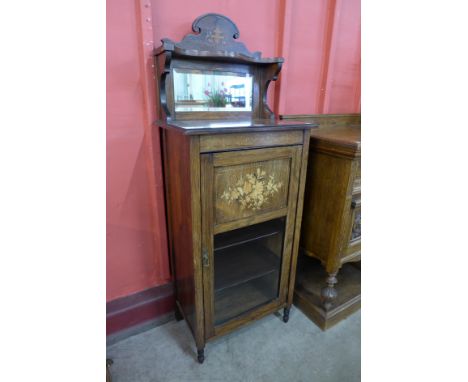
236,141
331,215
213,48
208,157
216,37
109,363
248,156
242,125
195,179
207,211
214,56
177,178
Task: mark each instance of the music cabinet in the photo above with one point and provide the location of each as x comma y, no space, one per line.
234,179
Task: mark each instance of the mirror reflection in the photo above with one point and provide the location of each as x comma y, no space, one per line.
212,91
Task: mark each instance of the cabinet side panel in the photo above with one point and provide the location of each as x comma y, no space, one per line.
300,204
325,194
195,200
178,199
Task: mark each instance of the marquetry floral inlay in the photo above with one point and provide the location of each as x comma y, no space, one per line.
253,191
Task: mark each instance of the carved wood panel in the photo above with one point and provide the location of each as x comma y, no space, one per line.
356,228
353,248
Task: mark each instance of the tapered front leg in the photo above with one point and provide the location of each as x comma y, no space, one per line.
329,293
286,314
109,362
201,355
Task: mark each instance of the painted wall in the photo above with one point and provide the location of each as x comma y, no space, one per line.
136,234
320,40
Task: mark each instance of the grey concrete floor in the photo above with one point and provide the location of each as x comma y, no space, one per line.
267,350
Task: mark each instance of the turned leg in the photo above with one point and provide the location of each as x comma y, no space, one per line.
286,314
329,293
177,314
201,355
109,362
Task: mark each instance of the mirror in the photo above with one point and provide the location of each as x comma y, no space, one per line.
205,90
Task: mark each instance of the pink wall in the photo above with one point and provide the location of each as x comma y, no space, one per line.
136,235
322,51
320,40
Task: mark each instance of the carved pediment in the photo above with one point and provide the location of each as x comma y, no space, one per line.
216,36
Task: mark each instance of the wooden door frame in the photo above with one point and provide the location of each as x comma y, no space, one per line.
209,161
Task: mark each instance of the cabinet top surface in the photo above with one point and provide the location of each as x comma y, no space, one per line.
201,127
343,135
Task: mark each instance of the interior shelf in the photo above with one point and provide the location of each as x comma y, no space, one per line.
243,262
247,264
232,302
247,234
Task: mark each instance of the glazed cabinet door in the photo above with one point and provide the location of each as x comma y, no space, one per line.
249,202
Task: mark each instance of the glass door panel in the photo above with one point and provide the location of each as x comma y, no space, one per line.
247,268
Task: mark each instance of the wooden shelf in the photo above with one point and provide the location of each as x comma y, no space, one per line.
242,263
246,271
233,302
247,234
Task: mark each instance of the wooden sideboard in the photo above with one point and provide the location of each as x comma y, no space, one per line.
331,226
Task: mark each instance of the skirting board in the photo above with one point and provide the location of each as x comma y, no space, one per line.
311,279
113,338
141,309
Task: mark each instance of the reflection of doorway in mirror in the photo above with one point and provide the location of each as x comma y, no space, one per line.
212,91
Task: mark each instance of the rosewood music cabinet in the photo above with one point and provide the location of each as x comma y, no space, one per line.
331,226
234,180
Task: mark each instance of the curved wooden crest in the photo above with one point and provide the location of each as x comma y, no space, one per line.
215,36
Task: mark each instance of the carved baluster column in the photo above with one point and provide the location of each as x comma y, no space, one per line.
329,293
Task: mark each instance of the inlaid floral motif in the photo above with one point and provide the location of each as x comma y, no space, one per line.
253,191
215,36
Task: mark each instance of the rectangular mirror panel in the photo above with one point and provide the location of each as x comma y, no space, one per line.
197,90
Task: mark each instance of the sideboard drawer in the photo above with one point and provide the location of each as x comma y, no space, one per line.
251,187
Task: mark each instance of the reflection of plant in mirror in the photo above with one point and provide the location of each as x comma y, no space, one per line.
216,98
